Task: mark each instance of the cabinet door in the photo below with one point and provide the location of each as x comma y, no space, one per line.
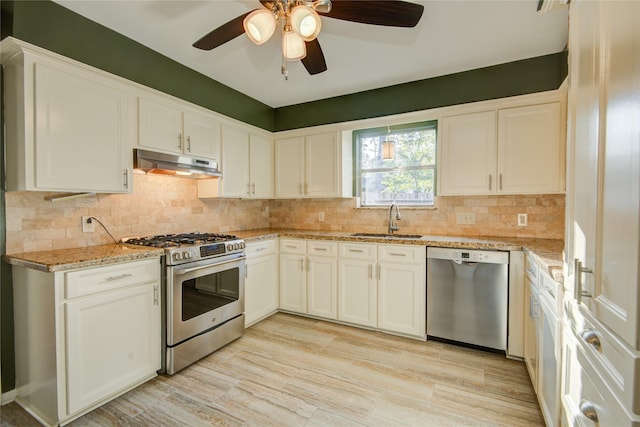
83,126
202,135
322,277
402,297
531,333
235,162
159,125
357,292
468,154
112,342
530,150
261,288
293,284
616,298
322,168
261,166
289,167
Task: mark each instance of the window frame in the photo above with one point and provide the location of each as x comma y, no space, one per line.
384,130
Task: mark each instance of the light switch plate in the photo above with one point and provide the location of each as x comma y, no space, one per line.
522,220
465,218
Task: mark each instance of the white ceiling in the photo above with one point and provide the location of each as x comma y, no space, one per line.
452,36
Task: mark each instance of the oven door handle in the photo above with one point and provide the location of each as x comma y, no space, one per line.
202,267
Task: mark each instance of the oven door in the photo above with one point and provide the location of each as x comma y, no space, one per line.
202,295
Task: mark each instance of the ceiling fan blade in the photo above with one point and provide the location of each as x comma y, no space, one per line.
222,34
391,13
314,61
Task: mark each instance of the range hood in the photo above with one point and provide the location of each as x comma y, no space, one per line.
150,162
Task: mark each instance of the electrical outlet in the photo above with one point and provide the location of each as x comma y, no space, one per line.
522,220
88,225
321,216
466,218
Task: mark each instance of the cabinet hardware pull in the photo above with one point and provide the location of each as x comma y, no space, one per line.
248,190
261,249
306,187
301,264
370,271
590,336
290,246
122,276
397,254
189,144
355,250
490,177
578,292
588,409
500,180
300,188
308,265
180,141
253,188
320,249
126,178
246,271
155,295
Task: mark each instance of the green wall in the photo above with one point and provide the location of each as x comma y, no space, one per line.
514,78
55,28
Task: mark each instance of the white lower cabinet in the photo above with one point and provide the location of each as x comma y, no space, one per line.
84,336
357,284
383,286
308,277
261,281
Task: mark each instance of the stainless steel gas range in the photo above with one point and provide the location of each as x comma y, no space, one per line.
203,294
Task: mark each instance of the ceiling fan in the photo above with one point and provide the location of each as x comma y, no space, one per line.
300,23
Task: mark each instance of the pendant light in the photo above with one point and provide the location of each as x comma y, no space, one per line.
388,147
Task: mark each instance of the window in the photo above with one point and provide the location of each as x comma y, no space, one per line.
409,177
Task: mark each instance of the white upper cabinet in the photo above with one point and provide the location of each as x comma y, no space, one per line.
311,166
247,164
514,150
174,127
530,150
69,127
467,156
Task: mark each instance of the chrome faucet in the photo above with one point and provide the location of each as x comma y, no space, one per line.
393,226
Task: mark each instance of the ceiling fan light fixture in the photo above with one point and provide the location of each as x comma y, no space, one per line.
293,47
259,25
305,22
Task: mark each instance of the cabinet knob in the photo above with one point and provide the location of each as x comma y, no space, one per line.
590,336
588,409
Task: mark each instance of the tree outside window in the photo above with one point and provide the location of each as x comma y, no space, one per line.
409,177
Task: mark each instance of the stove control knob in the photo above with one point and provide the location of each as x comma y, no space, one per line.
241,245
237,245
177,256
186,255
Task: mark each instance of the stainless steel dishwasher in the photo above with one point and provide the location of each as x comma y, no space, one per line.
467,296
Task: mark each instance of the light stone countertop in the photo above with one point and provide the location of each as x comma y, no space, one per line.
92,256
547,253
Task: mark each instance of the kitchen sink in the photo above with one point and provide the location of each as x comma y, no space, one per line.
388,236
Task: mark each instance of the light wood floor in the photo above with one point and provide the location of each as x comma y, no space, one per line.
293,371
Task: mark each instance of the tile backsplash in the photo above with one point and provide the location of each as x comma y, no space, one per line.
160,205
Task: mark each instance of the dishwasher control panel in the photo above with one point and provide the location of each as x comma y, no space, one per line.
467,255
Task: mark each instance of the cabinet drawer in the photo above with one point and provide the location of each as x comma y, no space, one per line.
293,246
586,394
93,280
551,291
531,269
619,365
264,247
357,251
322,248
402,253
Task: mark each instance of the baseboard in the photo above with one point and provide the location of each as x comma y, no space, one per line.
8,397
